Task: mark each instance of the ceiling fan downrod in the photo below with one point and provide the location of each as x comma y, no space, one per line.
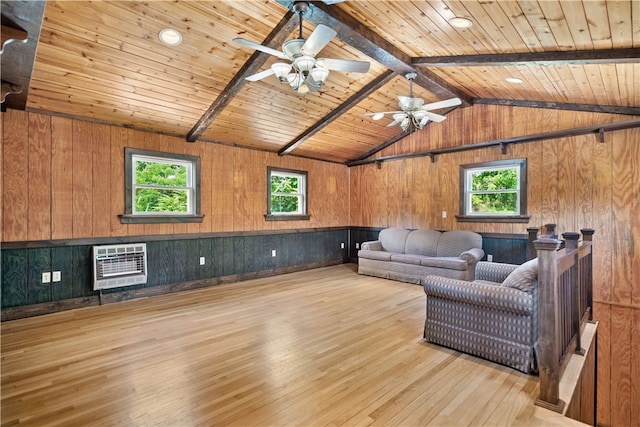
300,7
410,77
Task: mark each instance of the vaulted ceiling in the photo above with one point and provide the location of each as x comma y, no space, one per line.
103,61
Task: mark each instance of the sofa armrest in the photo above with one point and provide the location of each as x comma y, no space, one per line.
473,255
493,271
479,293
373,245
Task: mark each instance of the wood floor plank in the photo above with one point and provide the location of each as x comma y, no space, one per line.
320,347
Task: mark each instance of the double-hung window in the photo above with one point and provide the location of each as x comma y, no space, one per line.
161,187
494,191
286,194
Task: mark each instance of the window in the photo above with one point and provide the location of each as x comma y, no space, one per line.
286,194
494,191
161,187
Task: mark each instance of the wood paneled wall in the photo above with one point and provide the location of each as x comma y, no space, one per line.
64,179
574,182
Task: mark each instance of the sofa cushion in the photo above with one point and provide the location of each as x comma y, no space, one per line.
377,255
422,242
406,258
451,263
453,243
524,277
393,239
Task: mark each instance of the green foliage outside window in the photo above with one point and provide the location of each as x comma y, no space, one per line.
495,191
161,187
285,193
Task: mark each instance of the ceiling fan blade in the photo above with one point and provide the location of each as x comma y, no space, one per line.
259,76
320,37
260,47
434,117
382,112
347,65
442,104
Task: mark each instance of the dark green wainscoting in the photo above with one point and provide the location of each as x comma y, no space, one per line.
173,264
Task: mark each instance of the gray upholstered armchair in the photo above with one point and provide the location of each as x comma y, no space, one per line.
494,317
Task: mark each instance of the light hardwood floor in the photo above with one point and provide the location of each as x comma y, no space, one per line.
319,347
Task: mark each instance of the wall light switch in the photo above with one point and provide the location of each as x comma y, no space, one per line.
342,245
202,260
357,245
273,252
46,277
56,276
444,214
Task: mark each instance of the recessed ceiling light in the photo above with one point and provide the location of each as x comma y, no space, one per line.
170,37
459,22
514,80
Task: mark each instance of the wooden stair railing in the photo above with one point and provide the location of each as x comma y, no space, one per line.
564,305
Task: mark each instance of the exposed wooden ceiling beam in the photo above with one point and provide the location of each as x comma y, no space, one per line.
611,109
276,37
556,134
601,56
354,33
334,114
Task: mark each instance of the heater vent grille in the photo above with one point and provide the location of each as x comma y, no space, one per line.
119,265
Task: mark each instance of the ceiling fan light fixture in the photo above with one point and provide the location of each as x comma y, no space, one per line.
295,80
404,124
378,116
281,70
304,64
303,89
319,75
514,80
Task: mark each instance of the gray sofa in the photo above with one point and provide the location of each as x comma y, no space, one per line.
409,256
494,317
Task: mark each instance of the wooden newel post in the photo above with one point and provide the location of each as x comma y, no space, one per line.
548,325
532,236
571,244
587,236
571,239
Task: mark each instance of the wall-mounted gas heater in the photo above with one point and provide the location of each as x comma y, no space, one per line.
115,266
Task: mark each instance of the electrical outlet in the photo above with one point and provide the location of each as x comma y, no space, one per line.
342,245
202,260
57,276
444,214
490,258
273,252
46,277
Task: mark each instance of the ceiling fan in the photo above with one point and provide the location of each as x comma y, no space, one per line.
304,73
414,111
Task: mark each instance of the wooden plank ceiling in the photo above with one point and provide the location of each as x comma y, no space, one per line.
103,61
